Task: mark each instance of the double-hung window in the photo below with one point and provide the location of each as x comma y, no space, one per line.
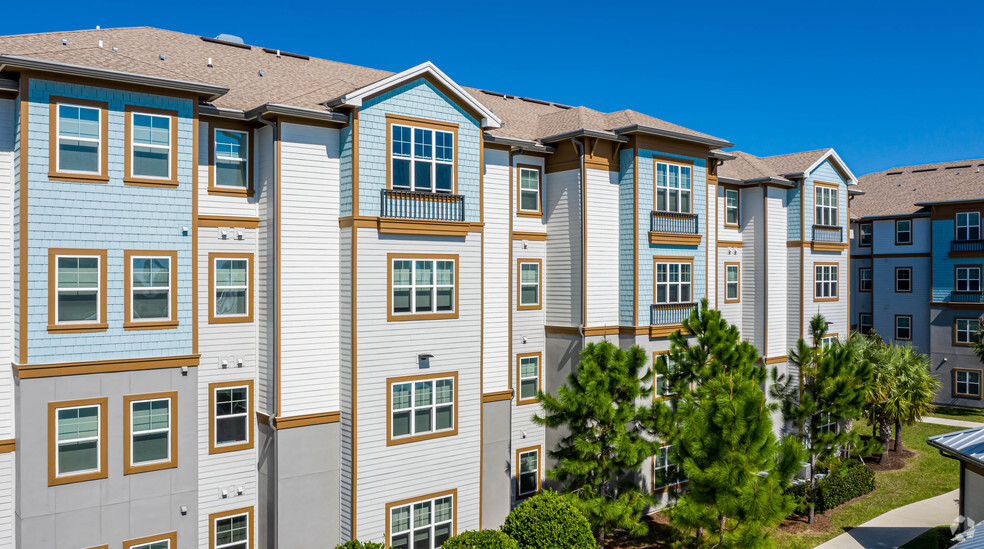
231,298
230,156
826,423
529,378
529,190
864,279
77,290
673,187
422,158
528,471
825,199
903,327
423,286
903,279
825,280
150,278
968,278
423,524
864,238
965,331
151,141
673,282
77,439
230,416
231,529
150,442
731,207
422,407
967,383
661,385
732,291
529,284
865,322
79,138
666,474
160,541
903,231
828,341
968,226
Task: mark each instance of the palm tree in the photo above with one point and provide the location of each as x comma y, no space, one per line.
911,394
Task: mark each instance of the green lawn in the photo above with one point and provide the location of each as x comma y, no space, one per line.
925,475
966,414
937,538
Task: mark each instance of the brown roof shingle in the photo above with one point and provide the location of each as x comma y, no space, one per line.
896,191
748,166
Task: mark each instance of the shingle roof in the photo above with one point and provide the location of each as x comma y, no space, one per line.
897,191
288,80
748,166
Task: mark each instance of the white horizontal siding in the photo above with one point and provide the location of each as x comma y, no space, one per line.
835,312
7,183
265,272
752,272
774,272
345,380
797,280
497,282
7,491
524,223
602,247
562,202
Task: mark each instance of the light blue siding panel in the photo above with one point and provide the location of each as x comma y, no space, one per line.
793,197
345,171
625,242
944,275
828,174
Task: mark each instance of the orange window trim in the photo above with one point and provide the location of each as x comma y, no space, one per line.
725,188
75,327
519,191
53,173
980,378
539,377
170,536
726,265
539,469
390,316
519,284
219,190
250,290
214,517
955,320
102,472
673,259
214,448
128,467
145,181
400,120
390,440
128,322
679,162
437,495
837,282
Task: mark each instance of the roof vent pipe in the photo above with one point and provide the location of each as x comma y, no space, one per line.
230,38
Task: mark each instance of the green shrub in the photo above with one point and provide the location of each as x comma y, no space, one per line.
356,544
549,521
481,539
849,480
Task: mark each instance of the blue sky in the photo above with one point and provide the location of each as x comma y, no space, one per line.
885,83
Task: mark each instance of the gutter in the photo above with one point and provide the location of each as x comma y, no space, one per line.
946,451
893,216
524,144
608,136
208,91
965,200
721,155
218,112
709,141
301,112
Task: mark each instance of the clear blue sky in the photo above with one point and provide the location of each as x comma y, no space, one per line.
884,83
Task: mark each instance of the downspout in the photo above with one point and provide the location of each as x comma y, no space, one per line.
582,189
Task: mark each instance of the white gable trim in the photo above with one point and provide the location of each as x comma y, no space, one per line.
489,120
833,156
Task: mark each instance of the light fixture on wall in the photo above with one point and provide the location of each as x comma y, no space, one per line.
423,360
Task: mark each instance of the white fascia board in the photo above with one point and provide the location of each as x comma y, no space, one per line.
851,180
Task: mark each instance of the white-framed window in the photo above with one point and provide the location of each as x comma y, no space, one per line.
529,190
864,238
825,282
903,279
150,145
661,386
903,327
827,342
673,282
865,323
231,416
673,187
731,206
231,287
150,431
665,472
150,288
232,532
825,199
79,139
864,279
231,158
965,330
968,226
967,383
157,544
422,407
78,289
529,472
968,279
423,286
826,424
529,284
423,159
529,377
731,283
424,524
77,448
903,231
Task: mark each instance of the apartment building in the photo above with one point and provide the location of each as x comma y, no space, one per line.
259,299
916,255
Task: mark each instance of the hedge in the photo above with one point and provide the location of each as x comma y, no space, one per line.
481,539
356,544
846,482
549,521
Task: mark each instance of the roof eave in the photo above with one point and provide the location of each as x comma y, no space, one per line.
708,141
524,144
299,112
892,216
831,153
8,85
207,91
940,202
721,155
584,132
953,453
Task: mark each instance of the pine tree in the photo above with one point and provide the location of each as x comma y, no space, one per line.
831,389
600,407
720,427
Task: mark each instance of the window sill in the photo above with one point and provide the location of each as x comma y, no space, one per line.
77,328
520,402
522,213
726,300
136,469
418,438
822,299
536,307
230,319
958,395
78,177
668,487
521,497
230,191
731,226
70,479
390,317
162,325
140,182
212,449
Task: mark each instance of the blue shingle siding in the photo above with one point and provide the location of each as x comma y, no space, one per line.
647,251
345,171
108,216
17,232
828,174
793,198
419,99
625,243
944,275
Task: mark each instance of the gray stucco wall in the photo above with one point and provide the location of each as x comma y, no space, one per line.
496,478
560,358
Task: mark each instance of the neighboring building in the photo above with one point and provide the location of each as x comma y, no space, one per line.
916,261
258,299
967,447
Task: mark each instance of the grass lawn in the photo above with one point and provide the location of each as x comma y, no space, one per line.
966,414
937,538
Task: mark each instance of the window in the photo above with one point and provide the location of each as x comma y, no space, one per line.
825,199
422,155
76,290
422,524
529,284
864,238
159,541
673,282
423,285
230,280
826,423
865,322
967,383
825,279
422,407
231,529
903,231
903,327
661,386
968,226
864,279
151,279
903,279
151,142
230,426
527,471
77,136
968,278
828,341
76,441
150,443
731,207
528,378
529,190
229,153
666,474
732,292
965,331
673,183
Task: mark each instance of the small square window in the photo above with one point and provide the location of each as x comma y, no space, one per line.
865,234
967,383
903,231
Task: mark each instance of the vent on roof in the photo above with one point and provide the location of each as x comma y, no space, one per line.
958,167
286,54
925,170
894,173
537,101
223,39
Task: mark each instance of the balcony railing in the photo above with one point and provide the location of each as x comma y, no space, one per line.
673,222
662,314
828,233
966,297
967,245
422,205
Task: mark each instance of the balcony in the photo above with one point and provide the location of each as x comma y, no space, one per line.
679,229
967,248
966,297
422,205
828,238
665,318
